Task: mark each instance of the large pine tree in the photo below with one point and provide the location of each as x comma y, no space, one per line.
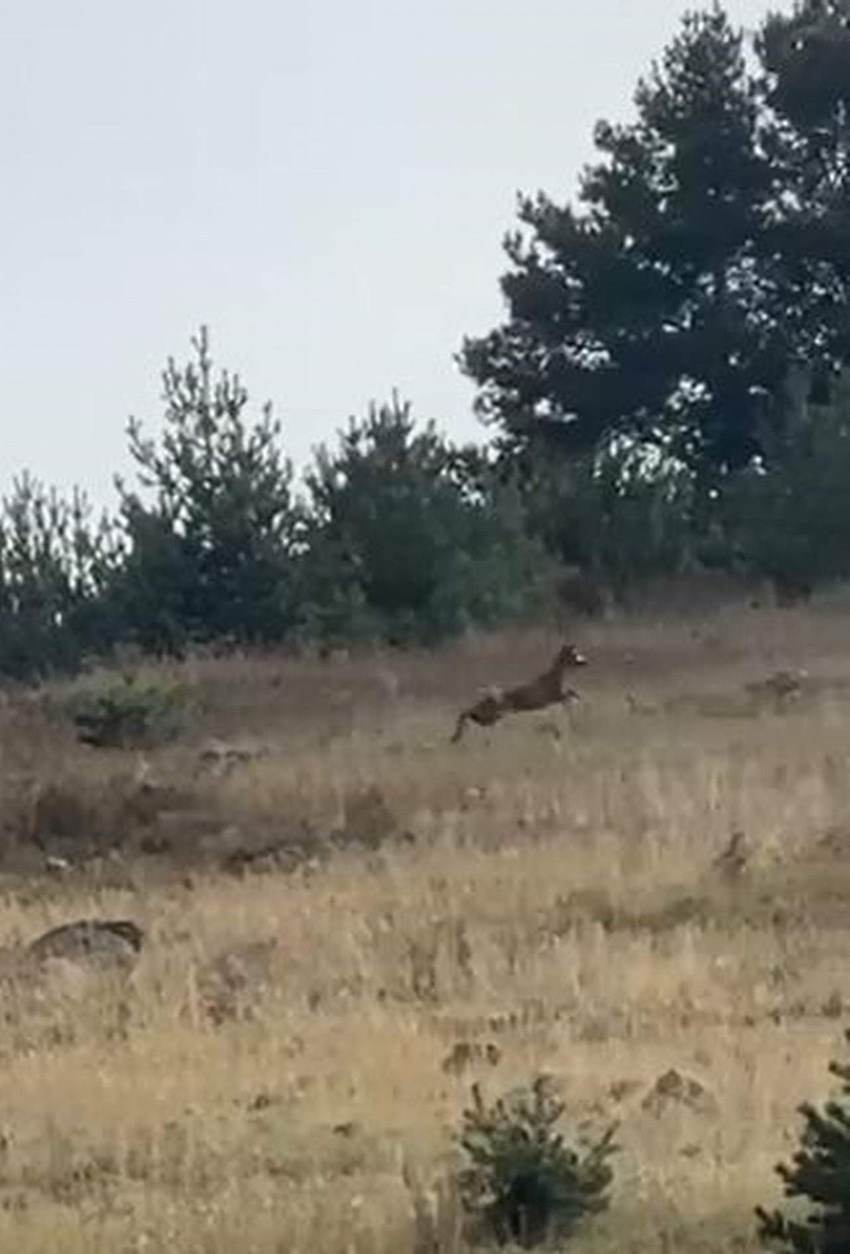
642,310
805,56
708,256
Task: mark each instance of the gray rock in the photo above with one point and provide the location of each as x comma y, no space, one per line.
91,942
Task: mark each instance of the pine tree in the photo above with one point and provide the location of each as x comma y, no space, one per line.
57,564
642,310
412,538
790,522
523,1184
820,1172
805,59
211,557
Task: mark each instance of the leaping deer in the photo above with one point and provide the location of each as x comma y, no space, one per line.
547,689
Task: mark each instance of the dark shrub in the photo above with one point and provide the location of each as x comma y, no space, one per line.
524,1185
126,715
820,1171
412,539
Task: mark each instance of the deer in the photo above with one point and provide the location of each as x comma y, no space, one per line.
546,689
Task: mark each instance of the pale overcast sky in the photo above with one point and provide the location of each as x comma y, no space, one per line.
325,184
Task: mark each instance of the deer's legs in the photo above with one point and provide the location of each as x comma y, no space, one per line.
485,713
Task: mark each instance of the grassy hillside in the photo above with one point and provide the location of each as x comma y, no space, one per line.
286,1065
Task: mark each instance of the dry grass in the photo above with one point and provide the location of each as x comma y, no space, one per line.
291,1052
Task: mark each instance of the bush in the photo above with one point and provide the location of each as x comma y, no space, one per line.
621,515
820,1172
126,715
788,516
524,1186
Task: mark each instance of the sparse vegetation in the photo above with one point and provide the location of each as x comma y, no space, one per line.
126,714
790,525
288,1034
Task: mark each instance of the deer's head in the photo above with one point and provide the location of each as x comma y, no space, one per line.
568,655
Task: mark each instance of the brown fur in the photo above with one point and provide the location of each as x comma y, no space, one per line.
545,690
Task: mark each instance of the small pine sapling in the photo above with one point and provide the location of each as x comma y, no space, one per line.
820,1171
524,1185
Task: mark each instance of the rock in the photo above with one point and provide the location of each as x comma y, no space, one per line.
675,1089
91,942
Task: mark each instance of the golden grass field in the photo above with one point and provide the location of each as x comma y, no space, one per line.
285,1069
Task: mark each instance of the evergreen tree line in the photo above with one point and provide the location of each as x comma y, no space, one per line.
396,535
668,390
